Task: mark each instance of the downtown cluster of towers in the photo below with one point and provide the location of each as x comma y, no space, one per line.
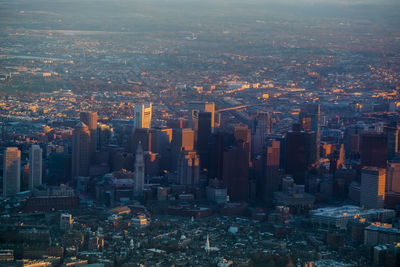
195,148
192,149
246,160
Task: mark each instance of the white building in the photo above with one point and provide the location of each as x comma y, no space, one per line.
339,216
35,166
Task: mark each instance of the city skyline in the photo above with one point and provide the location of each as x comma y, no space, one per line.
200,133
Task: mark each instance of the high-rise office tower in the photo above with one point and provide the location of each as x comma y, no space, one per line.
164,139
195,107
261,128
188,168
203,136
310,118
393,177
147,138
139,171
271,159
151,163
300,154
80,150
90,119
352,141
374,149
218,142
103,135
35,166
182,140
11,171
243,133
143,113
392,136
372,192
3,131
235,173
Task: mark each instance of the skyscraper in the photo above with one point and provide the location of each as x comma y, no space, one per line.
80,150
143,113
243,133
310,118
203,136
164,139
393,177
200,106
374,150
147,137
271,158
392,136
11,171
235,173
188,168
182,140
35,166
139,171
104,132
90,119
261,128
372,192
300,154
218,142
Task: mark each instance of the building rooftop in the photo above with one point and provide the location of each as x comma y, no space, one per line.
346,211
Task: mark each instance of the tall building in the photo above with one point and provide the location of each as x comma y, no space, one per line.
164,139
300,154
243,133
195,107
182,140
143,113
235,171
3,132
374,149
104,132
35,166
11,171
261,128
271,160
310,118
393,177
352,137
90,119
147,137
151,163
218,142
372,192
139,171
188,168
203,136
392,137
80,150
